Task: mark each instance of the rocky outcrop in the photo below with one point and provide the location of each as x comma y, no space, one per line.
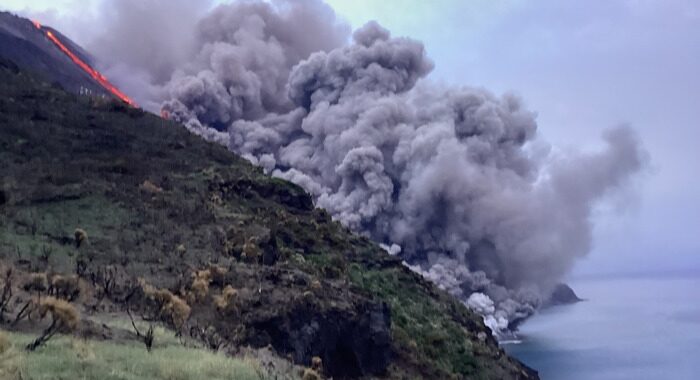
562,295
352,344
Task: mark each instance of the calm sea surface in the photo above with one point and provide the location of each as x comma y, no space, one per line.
629,328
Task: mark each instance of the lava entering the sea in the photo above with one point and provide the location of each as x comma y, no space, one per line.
96,75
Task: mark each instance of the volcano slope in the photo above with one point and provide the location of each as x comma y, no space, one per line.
122,210
23,43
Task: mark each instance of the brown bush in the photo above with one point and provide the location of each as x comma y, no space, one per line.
66,287
317,364
38,282
310,374
61,311
218,274
150,187
200,285
80,237
228,295
251,252
63,317
170,306
177,310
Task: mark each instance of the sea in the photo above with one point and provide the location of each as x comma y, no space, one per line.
628,327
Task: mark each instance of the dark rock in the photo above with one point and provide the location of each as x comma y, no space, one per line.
11,66
350,345
270,253
282,192
562,295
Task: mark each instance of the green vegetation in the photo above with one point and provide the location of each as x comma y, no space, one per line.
46,229
421,323
71,358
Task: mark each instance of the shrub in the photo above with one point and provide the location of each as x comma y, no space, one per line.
177,310
64,317
80,237
317,364
170,306
224,300
310,374
251,252
66,287
61,311
38,282
147,338
200,284
316,285
218,274
181,250
149,187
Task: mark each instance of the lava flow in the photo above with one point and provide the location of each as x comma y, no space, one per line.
96,75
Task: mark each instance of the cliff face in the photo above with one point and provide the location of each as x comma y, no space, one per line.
562,295
167,215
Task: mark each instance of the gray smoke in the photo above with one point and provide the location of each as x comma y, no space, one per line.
453,180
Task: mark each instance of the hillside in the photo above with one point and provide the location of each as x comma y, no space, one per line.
150,217
24,44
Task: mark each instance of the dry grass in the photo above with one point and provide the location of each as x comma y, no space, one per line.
69,358
11,360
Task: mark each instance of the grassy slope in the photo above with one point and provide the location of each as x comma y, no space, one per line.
68,162
73,358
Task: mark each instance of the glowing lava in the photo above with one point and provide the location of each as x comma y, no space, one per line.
96,75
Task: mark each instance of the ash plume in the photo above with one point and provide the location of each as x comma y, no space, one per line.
453,180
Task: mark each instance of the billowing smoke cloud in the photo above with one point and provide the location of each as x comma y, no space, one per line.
140,43
454,180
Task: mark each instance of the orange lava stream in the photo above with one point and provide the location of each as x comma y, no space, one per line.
96,75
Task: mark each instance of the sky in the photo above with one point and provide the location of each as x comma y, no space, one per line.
583,67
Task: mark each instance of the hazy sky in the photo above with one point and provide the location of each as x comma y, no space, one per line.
583,66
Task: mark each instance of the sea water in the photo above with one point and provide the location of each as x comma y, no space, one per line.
628,328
